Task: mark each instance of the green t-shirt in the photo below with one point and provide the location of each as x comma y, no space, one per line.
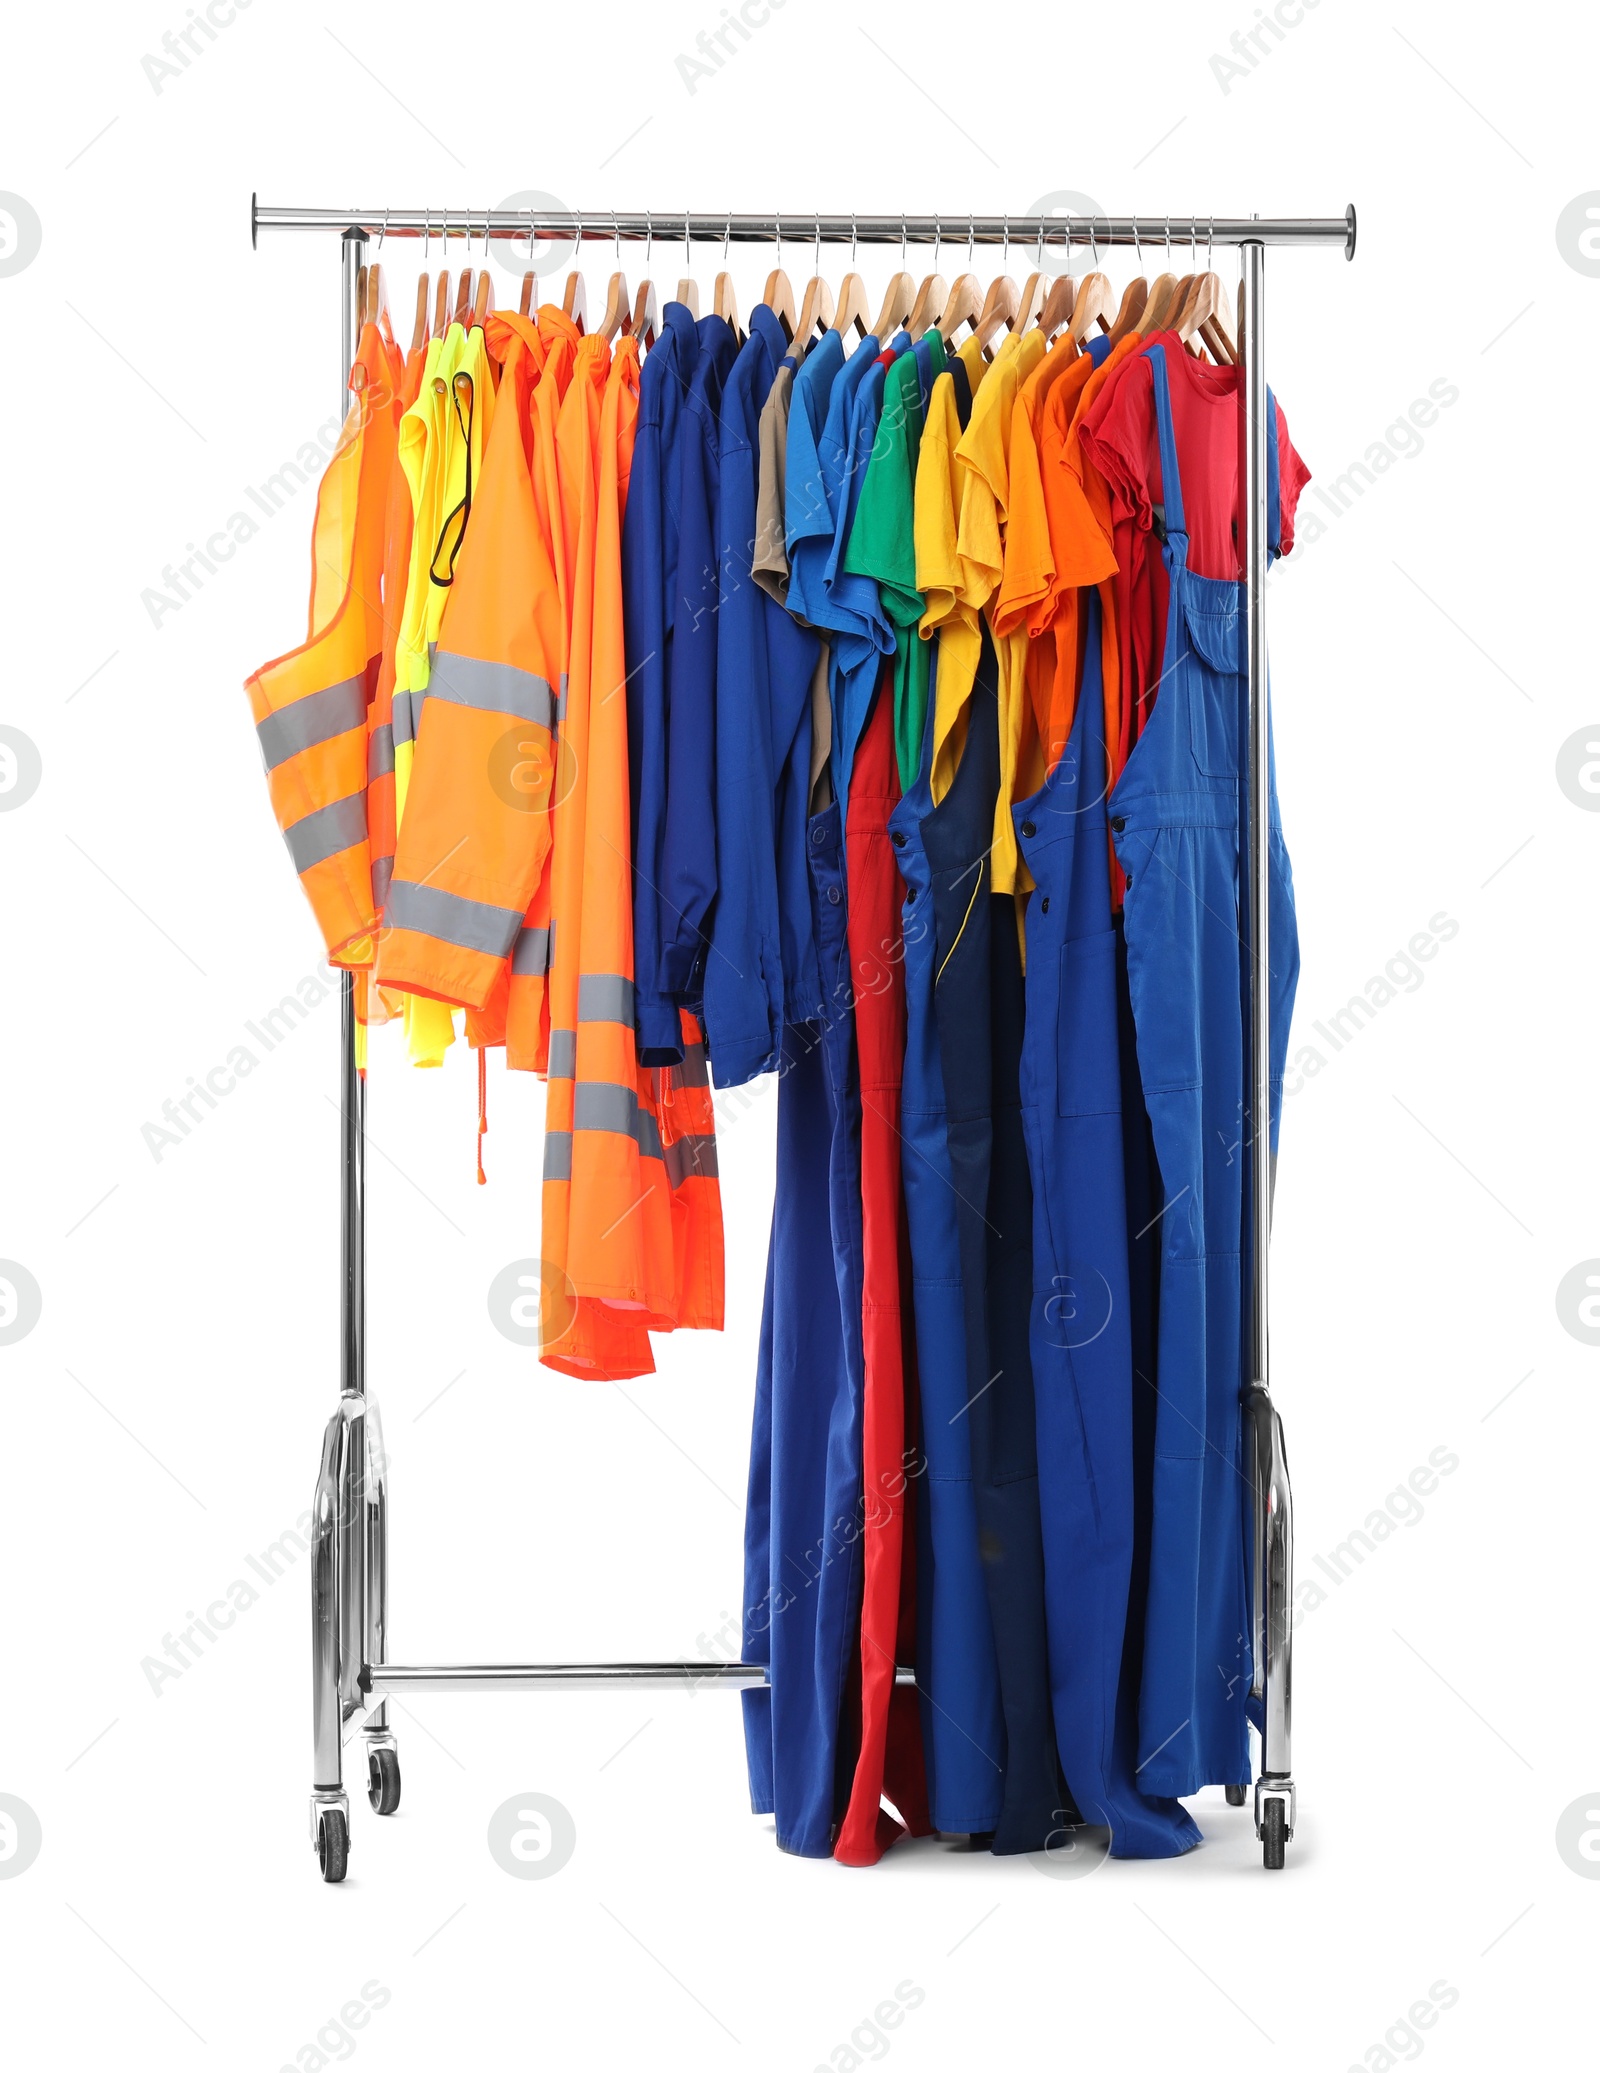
882,545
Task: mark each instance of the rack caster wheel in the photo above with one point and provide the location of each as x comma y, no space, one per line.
1274,1834
383,1780
1234,1795
333,1844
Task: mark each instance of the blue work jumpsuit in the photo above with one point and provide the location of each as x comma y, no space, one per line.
1176,820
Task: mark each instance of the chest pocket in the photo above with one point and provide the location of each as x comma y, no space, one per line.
1088,1077
1214,631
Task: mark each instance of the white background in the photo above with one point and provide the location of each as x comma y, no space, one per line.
161,1423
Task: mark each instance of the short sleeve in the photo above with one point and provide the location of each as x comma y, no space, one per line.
1293,475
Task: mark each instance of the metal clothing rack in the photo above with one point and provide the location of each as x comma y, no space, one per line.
352,1678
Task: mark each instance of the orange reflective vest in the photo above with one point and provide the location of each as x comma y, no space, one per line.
310,705
476,828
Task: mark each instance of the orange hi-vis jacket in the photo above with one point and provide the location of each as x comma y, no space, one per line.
310,705
527,1005
632,1206
476,828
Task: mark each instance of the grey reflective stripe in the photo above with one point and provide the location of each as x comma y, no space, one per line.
407,705
563,1061
561,698
491,687
329,830
531,954
601,1105
558,1155
380,752
689,1156
647,1135
692,1072
605,997
382,872
469,924
321,717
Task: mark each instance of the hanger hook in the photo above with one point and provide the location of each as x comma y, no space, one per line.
971,238
688,256
1094,247
616,238
819,248
902,241
649,239
1038,250
1169,244
1005,244
1138,249
1211,231
727,233
852,237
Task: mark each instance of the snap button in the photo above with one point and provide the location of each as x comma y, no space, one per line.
833,896
1118,822
818,837
1044,904
1028,828
911,894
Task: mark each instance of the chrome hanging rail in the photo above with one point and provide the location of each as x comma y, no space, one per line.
601,226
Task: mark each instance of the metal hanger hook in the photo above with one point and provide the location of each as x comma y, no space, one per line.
1094,246
1005,244
818,266
727,233
1038,251
971,238
1169,244
649,239
902,242
1211,231
852,237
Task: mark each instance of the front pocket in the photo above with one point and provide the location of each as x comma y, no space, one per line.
1088,1077
1215,685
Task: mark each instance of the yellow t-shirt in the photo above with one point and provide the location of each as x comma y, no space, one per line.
950,611
983,455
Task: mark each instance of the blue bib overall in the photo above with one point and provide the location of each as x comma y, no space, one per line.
963,1737
978,1005
1080,1334
1176,819
803,1519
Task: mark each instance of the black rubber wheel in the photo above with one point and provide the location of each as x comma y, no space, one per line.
1274,1834
333,1845
1235,1794
383,1780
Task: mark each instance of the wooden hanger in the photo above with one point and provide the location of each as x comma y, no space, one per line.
962,306
1134,298
419,328
361,296
816,312
897,301
725,303
1034,290
931,299
530,283
576,300
618,309
689,295
851,307
1162,291
441,304
480,301
1000,307
778,296
1095,302
646,318
463,297
1058,305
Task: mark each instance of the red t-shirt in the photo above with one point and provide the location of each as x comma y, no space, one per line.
1119,435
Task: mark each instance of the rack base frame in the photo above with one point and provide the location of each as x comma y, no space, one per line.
352,1679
